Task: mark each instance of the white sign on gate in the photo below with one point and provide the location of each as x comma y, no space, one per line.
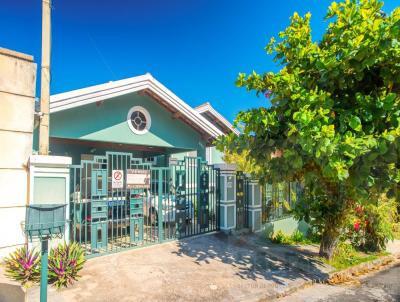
137,179
117,179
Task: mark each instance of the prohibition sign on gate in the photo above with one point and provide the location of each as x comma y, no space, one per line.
117,179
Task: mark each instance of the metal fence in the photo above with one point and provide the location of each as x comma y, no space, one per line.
279,200
180,200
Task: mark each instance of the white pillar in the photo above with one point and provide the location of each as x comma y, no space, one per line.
255,206
228,196
49,179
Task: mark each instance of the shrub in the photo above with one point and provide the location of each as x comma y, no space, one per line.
65,262
298,237
23,266
280,238
370,227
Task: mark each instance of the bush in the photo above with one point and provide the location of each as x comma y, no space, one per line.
296,237
65,262
370,227
23,266
280,238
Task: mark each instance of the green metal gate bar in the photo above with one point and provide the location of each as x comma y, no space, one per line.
182,200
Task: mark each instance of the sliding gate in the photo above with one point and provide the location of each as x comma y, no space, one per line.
120,202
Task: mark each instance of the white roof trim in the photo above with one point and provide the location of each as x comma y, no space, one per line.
88,95
207,107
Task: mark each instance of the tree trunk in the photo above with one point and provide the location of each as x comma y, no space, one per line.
329,241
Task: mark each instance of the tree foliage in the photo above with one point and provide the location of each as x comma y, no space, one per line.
243,161
335,114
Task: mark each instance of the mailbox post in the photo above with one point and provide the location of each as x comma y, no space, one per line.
44,269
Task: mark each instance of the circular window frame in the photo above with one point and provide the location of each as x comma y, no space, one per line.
146,115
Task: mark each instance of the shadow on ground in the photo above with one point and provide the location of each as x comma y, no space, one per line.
253,260
303,257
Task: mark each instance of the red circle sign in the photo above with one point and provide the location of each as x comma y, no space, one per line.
117,175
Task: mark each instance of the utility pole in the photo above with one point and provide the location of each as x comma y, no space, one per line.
45,79
44,125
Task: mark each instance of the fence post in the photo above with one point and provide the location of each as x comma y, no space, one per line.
255,210
227,192
160,205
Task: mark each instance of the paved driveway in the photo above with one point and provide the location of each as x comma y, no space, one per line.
208,268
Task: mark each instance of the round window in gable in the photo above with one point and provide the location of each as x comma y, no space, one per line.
139,120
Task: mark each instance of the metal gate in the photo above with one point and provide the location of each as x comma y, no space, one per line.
242,200
109,214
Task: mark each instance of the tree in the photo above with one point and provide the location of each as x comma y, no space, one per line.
334,122
243,162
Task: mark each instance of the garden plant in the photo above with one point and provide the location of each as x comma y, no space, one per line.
65,263
23,266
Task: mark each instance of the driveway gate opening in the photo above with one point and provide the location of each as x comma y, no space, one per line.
120,202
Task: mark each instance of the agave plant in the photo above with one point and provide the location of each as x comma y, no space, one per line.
65,262
23,266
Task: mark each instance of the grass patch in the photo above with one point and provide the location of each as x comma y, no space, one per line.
346,256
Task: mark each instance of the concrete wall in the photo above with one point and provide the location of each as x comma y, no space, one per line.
214,156
287,225
17,97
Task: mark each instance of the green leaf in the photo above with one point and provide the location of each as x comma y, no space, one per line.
355,123
389,101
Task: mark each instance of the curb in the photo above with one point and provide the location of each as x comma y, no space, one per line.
361,269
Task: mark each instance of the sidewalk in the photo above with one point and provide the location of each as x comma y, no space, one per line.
302,257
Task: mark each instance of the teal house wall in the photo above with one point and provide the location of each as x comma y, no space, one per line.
107,122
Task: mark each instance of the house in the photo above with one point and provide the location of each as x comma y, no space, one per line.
130,164
137,115
144,165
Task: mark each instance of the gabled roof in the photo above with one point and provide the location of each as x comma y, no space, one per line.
145,84
215,117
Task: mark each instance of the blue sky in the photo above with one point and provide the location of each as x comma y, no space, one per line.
194,47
